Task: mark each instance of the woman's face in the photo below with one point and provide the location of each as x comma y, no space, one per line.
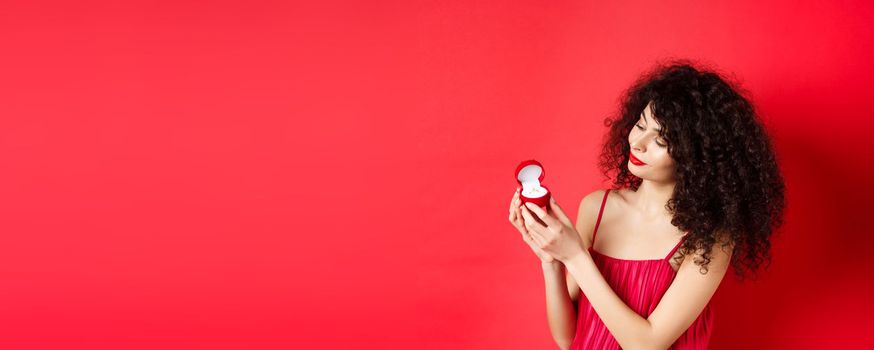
650,149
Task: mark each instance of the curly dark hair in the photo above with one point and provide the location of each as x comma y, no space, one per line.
728,184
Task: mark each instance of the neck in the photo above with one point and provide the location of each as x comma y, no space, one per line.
652,197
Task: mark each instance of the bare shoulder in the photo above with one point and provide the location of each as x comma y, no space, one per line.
587,214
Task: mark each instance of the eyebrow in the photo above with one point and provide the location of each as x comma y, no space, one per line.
645,119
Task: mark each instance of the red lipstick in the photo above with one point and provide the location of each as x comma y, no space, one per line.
634,160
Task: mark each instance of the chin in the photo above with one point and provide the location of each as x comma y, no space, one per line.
636,172
649,176
643,174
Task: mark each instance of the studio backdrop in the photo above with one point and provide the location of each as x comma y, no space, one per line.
336,174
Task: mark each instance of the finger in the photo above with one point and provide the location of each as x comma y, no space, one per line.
514,210
513,201
559,213
530,222
532,242
520,221
526,226
534,233
527,238
547,219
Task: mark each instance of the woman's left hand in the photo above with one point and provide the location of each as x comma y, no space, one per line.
559,238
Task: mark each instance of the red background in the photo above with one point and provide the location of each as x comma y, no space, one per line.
251,174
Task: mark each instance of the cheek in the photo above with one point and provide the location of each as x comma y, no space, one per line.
664,160
632,135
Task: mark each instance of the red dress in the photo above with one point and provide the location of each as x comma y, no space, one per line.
641,285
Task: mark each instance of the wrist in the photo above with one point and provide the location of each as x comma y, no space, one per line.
578,256
554,265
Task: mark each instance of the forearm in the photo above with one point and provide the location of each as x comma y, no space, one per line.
630,329
560,308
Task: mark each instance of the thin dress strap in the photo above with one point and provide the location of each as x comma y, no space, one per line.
601,211
676,246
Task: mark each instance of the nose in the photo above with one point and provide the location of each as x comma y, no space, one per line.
642,140
638,143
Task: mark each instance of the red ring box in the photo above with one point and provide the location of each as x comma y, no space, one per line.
530,174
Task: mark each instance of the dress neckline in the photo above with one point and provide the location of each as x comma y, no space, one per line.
633,260
638,261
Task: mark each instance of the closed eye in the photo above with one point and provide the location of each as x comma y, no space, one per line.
642,128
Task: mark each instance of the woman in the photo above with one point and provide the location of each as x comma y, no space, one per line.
696,189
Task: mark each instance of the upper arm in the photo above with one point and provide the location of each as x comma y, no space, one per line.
687,296
585,225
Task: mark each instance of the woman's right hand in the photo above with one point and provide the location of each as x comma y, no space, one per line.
519,223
